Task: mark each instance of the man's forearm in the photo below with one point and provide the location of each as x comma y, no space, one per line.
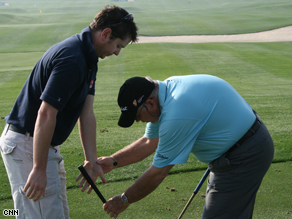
43,134
87,131
147,183
136,151
44,128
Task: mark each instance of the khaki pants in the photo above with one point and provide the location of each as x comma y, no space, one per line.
17,154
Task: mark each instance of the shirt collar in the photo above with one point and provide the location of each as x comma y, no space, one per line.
161,93
88,47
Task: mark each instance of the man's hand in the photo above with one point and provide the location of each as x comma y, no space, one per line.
93,170
36,184
114,206
106,163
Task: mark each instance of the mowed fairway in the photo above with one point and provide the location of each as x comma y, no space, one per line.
261,72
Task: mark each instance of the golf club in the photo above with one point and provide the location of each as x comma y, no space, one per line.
89,180
195,192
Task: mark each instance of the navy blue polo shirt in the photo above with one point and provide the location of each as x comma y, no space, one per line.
63,77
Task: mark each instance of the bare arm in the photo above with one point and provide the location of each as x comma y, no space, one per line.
147,183
43,134
132,153
87,131
136,151
143,186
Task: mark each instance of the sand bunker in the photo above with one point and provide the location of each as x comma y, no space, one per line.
277,35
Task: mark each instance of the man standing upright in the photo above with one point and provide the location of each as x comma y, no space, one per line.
58,93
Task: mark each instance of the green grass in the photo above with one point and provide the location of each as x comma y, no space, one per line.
165,204
261,72
23,28
252,68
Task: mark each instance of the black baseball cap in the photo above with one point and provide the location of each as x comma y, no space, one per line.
133,93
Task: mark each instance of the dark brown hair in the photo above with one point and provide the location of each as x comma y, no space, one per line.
118,20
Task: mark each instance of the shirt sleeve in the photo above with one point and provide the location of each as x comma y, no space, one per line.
176,140
152,130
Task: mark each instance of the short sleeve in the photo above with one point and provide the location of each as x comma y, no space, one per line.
176,140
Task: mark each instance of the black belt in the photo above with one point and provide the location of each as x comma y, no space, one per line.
256,125
18,130
21,131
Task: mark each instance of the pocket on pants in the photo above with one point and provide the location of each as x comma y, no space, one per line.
52,189
7,147
47,207
220,164
53,199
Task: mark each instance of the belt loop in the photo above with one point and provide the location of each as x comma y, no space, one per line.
257,117
6,128
27,135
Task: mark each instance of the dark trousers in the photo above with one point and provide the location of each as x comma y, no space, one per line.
235,178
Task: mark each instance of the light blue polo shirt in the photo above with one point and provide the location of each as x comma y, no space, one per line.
200,114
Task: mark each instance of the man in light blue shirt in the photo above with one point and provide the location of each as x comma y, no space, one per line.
207,118
199,114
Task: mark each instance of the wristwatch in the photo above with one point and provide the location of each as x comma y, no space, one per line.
124,199
115,163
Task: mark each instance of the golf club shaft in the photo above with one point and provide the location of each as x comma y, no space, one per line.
195,192
187,205
89,180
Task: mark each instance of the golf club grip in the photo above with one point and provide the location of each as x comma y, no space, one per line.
89,180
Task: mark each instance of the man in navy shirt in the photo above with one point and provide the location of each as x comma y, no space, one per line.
58,93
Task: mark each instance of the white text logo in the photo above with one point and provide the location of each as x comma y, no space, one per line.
124,108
